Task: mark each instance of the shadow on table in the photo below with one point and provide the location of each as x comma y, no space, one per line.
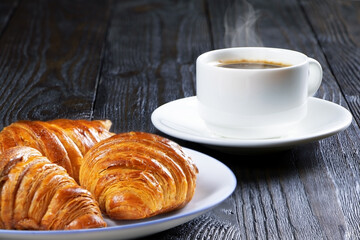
268,164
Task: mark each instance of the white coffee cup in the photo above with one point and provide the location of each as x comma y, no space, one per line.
255,103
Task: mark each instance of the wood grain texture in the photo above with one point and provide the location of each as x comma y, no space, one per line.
7,8
50,56
339,39
141,73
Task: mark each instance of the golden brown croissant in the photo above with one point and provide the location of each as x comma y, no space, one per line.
137,175
62,141
38,194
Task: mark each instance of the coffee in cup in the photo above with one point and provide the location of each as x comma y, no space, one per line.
250,64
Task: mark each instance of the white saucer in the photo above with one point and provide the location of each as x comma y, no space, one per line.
180,119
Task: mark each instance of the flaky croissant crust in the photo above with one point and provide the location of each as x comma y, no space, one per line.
62,141
38,194
137,175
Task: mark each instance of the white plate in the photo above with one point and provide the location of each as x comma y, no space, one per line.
209,193
180,119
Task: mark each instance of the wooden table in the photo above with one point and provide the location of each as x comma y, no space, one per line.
120,60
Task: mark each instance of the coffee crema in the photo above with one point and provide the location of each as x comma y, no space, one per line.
251,64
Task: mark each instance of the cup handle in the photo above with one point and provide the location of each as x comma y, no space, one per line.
315,76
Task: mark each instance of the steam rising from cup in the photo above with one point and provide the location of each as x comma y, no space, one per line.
239,22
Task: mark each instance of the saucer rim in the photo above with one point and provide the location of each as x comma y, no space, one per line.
253,143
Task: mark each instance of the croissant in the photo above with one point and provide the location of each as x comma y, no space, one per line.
39,195
62,141
137,175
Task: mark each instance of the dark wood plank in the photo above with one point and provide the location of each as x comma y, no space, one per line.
50,57
339,38
7,8
315,197
141,73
